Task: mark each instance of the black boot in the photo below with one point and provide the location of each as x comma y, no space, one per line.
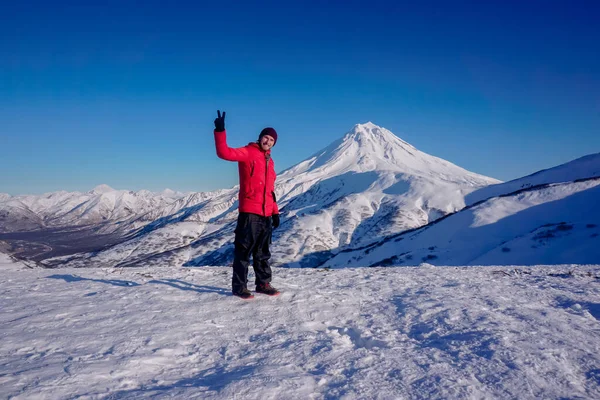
266,288
244,294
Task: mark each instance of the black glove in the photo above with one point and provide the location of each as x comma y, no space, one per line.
220,122
275,221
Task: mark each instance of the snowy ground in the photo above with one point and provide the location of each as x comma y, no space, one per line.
357,333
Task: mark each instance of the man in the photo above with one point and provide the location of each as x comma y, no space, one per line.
258,212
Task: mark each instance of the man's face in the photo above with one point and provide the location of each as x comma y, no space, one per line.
266,142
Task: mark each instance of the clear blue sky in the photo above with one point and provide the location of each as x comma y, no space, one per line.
126,93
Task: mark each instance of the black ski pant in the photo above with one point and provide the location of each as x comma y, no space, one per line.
252,238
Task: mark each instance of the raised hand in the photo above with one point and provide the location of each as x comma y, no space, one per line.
220,122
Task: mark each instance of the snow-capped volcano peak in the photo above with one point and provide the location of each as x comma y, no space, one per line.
369,147
369,135
374,147
366,147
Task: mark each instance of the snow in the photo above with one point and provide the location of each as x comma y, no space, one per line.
379,333
581,168
368,147
555,224
9,263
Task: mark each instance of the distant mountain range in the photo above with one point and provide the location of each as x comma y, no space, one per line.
102,206
369,198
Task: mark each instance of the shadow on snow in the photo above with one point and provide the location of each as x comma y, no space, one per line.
75,278
174,283
211,380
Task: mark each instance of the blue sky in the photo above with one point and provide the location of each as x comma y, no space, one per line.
126,94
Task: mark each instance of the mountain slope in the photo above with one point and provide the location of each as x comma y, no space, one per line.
10,263
552,223
581,168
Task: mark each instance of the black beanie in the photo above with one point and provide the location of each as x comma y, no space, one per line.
269,131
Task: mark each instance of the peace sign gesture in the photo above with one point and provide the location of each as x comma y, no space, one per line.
220,122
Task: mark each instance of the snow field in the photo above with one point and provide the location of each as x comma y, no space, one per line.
356,333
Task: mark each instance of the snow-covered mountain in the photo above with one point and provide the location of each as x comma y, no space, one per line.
16,216
103,207
549,217
368,184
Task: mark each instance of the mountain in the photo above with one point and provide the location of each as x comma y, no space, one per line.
60,209
16,216
58,223
550,217
366,185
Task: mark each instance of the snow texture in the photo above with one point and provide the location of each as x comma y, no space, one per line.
9,263
358,333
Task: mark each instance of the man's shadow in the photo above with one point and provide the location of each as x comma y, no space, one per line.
75,278
179,284
176,283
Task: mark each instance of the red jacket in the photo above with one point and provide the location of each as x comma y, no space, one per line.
257,175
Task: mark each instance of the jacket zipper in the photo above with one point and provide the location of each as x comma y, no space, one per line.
267,158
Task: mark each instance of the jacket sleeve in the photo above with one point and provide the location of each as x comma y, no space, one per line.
227,153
